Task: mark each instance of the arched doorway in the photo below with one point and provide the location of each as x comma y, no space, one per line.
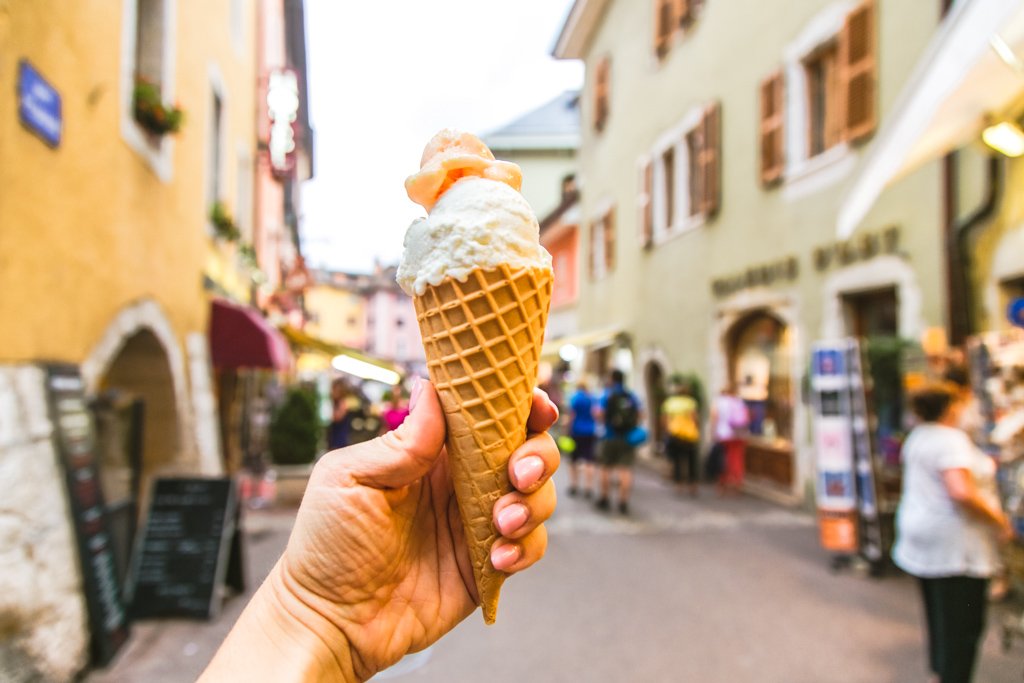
760,351
137,431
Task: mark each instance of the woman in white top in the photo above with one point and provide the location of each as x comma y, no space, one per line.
948,524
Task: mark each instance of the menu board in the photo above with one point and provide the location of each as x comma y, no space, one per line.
75,441
189,550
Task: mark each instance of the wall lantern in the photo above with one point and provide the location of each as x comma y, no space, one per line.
1005,137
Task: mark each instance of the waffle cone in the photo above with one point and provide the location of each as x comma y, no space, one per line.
483,340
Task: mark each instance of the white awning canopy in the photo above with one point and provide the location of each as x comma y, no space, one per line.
970,71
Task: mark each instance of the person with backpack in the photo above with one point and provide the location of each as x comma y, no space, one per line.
620,413
680,418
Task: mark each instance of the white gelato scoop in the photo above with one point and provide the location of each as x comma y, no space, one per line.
477,223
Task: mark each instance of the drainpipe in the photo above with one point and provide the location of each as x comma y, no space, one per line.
959,257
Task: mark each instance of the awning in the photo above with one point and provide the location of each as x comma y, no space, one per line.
965,74
241,338
583,340
303,341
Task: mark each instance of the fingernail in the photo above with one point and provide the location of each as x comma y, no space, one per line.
414,395
528,471
512,518
504,556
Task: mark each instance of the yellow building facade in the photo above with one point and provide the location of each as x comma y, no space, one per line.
107,259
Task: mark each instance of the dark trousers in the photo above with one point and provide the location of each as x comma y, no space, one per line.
954,608
678,452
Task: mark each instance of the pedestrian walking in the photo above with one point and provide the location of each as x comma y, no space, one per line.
583,431
620,412
729,419
948,524
680,421
342,400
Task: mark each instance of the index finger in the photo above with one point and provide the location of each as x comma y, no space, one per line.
543,412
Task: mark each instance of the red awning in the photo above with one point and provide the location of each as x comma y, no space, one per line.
241,338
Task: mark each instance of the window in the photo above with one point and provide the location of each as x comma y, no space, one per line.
149,41
668,188
147,60
823,116
684,177
602,87
828,99
671,19
214,190
602,245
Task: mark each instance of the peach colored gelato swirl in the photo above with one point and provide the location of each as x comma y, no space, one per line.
477,217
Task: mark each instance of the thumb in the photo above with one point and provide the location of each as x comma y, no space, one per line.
404,455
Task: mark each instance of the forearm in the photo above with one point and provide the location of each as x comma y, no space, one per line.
982,507
279,639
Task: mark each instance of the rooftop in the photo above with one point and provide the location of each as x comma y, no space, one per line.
554,125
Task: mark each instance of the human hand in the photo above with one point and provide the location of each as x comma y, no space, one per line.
377,565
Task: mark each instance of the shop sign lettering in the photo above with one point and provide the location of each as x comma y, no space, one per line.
861,248
783,270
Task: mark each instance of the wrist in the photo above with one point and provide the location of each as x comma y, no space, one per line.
280,638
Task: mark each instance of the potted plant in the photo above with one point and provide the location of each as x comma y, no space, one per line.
223,223
151,112
295,428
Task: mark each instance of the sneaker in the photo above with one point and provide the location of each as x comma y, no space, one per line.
624,507
603,504
588,494
572,491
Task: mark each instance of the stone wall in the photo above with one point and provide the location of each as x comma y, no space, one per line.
43,620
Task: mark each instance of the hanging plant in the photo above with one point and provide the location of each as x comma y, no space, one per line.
223,224
151,112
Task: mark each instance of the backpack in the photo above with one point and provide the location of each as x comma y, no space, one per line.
684,427
621,416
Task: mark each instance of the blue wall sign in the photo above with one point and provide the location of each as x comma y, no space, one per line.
39,105
1015,312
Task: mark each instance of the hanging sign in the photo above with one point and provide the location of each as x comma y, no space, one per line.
39,105
283,109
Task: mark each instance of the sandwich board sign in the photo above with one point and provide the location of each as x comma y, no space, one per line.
190,549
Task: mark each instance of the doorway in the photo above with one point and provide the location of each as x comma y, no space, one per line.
759,347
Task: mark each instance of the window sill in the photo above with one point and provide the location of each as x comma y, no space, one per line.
158,156
808,176
687,225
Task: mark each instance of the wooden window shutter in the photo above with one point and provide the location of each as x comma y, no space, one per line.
664,22
710,159
857,64
683,13
645,203
601,93
772,118
609,240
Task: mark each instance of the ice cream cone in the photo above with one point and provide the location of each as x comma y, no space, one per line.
483,341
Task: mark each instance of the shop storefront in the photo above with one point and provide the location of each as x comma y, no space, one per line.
760,352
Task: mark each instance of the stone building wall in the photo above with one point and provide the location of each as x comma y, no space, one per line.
43,620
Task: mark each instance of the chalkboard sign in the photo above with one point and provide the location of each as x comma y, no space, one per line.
75,441
189,550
